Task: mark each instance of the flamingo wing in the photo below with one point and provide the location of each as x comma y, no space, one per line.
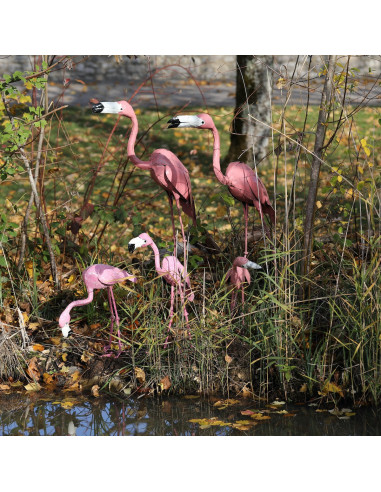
228,275
178,181
261,198
109,275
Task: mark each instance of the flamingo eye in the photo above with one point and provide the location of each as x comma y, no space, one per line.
202,122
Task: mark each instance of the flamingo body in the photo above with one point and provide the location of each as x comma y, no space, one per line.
98,276
173,272
165,168
246,187
242,182
238,275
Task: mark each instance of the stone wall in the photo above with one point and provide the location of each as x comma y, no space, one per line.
217,68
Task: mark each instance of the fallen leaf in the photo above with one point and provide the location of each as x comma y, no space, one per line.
259,416
276,402
228,359
331,388
33,370
32,387
38,347
247,412
220,404
165,383
303,388
4,387
140,375
55,340
16,384
86,356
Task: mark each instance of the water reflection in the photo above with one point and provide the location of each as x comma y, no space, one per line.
45,416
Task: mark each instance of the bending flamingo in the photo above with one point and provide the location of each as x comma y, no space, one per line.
238,275
98,276
165,168
240,179
173,273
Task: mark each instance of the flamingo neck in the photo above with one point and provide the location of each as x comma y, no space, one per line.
80,302
216,157
157,258
131,141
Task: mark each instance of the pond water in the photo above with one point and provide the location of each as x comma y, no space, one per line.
47,415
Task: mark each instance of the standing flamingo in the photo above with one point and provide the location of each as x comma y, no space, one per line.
98,276
172,271
240,179
165,168
238,275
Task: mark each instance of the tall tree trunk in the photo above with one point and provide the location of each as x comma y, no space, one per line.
253,97
326,99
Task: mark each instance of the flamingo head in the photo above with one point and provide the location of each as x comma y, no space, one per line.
119,107
242,261
202,121
63,323
141,241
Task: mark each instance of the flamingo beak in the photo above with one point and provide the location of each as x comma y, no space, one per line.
107,107
173,123
185,121
252,265
66,330
135,243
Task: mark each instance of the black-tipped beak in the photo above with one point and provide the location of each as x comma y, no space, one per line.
97,108
173,123
131,248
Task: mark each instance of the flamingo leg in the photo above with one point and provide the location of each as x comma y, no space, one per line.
170,314
116,321
246,215
114,317
182,230
233,301
108,347
173,223
184,308
184,242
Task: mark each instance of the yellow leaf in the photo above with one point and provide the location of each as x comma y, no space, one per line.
221,211
64,357
367,151
281,82
318,204
95,391
71,279
339,179
67,404
32,387
140,375
29,268
38,347
363,142
332,388
361,170
4,387
228,359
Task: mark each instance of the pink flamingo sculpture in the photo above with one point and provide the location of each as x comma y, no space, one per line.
240,179
173,273
98,276
165,168
238,275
